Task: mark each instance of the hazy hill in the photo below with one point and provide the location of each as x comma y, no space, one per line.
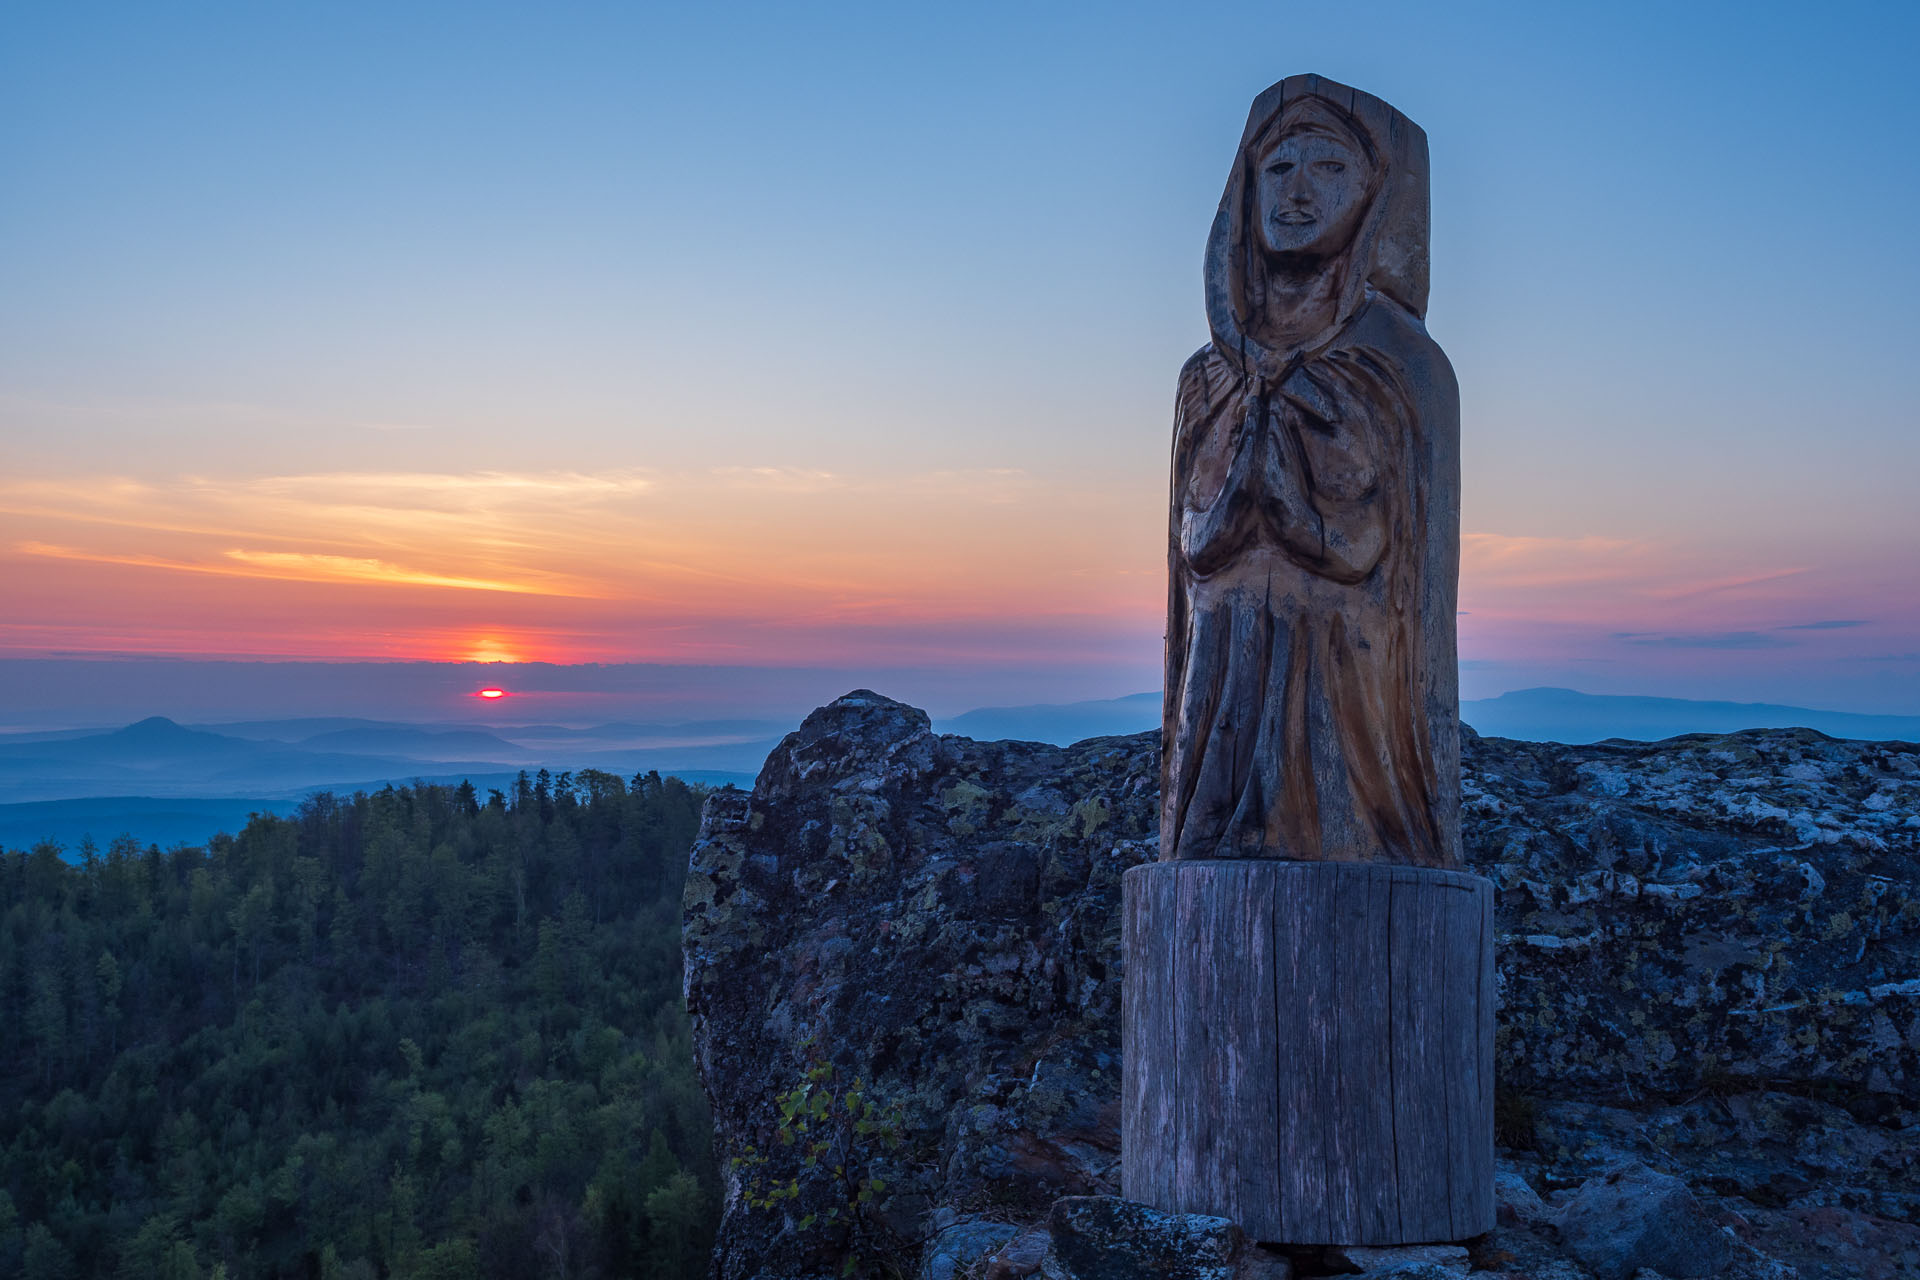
1059,724
1533,715
166,783
430,744
1566,715
163,821
157,757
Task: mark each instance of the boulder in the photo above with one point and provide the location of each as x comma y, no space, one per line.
957,1250
1515,1201
1020,1256
1633,1217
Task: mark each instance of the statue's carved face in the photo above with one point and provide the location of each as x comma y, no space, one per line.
1312,191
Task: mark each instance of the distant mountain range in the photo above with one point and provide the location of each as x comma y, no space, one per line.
166,782
281,759
1566,715
1537,715
165,822
1060,724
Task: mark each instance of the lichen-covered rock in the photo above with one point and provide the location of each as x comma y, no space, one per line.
934,920
1107,1238
1709,960
1769,1147
903,965
1719,913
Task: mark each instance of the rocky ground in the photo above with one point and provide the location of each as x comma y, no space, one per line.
903,964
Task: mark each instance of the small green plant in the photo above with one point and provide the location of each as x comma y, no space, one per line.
840,1136
1516,1119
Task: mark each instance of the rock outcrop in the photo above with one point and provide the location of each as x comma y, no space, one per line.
903,966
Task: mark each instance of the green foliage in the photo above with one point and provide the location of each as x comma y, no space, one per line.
843,1138
1516,1118
405,1034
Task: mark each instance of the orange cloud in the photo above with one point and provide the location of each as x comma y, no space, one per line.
1714,586
719,561
292,566
309,567
1621,581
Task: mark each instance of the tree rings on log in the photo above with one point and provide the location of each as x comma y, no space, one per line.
1309,1048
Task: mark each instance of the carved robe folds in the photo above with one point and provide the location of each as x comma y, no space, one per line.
1310,708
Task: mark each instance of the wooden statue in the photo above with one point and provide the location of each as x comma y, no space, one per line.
1308,1014
1312,690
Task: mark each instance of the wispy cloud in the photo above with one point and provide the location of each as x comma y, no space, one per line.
309,567
1717,585
1506,562
710,560
1704,639
1827,624
1609,581
287,566
447,490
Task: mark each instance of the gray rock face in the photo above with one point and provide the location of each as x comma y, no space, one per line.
937,919
1709,958
1712,913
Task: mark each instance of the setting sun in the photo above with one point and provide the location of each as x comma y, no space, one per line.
491,693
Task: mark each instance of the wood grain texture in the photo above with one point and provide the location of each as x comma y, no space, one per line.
1309,1048
1423,1068
1224,1037
1146,1011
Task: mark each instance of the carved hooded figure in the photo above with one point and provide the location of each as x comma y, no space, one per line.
1311,691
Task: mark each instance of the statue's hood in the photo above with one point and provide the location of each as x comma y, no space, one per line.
1389,250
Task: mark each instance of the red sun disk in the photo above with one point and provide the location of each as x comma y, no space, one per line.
491,693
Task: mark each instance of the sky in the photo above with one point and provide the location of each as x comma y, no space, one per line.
844,337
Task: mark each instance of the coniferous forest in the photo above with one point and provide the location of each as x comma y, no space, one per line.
407,1034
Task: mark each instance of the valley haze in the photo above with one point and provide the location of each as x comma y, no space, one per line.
167,780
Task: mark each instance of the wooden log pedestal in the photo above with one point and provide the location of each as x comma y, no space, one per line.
1308,1048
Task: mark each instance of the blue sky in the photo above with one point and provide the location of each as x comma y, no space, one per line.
877,309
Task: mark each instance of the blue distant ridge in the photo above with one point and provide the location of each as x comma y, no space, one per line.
1061,725
163,821
1534,715
167,784
1567,715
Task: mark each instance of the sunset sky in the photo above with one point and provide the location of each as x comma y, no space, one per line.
846,336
